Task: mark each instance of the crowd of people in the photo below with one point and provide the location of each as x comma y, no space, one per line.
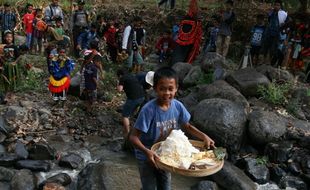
283,40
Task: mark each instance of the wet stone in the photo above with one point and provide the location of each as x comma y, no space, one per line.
2,149
276,174
8,160
41,151
34,165
279,152
62,179
205,185
257,172
71,161
6,174
21,151
294,168
5,185
23,180
2,137
292,182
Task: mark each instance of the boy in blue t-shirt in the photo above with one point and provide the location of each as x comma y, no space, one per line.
154,123
257,38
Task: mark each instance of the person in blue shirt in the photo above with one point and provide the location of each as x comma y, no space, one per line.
86,37
154,123
8,21
257,38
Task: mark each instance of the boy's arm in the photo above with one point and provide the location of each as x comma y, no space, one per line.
197,133
135,140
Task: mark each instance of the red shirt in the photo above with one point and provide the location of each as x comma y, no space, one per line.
110,36
27,20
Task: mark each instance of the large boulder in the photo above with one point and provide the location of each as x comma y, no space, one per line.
182,69
223,120
190,101
256,171
275,74
193,77
293,182
34,165
211,60
23,180
279,152
205,185
265,127
71,161
232,178
91,177
6,174
247,81
221,89
41,151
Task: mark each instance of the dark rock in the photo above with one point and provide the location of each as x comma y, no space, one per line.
193,77
3,125
223,120
190,102
221,89
279,152
205,185
276,173
34,165
71,161
294,168
2,137
21,151
293,182
23,180
275,74
306,178
16,112
265,127
182,69
92,177
247,81
211,60
305,163
232,178
41,151
62,178
257,172
8,160
301,94
298,130
6,174
5,185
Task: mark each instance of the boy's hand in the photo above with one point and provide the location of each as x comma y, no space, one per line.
209,142
151,156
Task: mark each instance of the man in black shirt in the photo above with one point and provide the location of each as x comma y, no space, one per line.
134,91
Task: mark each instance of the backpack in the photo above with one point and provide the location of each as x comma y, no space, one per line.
41,25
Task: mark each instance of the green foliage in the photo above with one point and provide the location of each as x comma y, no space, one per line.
293,106
206,78
275,93
262,160
308,92
32,82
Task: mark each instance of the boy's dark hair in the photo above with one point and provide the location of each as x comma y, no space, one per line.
165,72
260,16
29,5
137,19
6,5
121,72
93,44
230,2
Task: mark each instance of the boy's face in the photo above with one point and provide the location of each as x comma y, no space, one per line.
9,38
30,8
277,6
6,8
166,89
58,23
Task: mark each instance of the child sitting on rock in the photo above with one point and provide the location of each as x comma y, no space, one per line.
164,46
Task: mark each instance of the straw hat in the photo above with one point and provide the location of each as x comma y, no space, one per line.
149,77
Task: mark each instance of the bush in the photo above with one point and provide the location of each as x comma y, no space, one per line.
275,93
32,82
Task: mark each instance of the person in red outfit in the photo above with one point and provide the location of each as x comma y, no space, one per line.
165,46
110,37
28,24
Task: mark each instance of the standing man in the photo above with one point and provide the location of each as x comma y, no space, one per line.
79,22
52,12
225,29
276,19
130,45
7,21
28,24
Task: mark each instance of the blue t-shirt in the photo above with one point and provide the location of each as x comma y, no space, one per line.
156,124
90,73
257,35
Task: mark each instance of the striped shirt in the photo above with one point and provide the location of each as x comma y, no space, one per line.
7,21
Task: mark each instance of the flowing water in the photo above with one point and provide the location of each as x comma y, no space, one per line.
121,171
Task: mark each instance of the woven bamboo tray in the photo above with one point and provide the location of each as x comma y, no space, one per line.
188,172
